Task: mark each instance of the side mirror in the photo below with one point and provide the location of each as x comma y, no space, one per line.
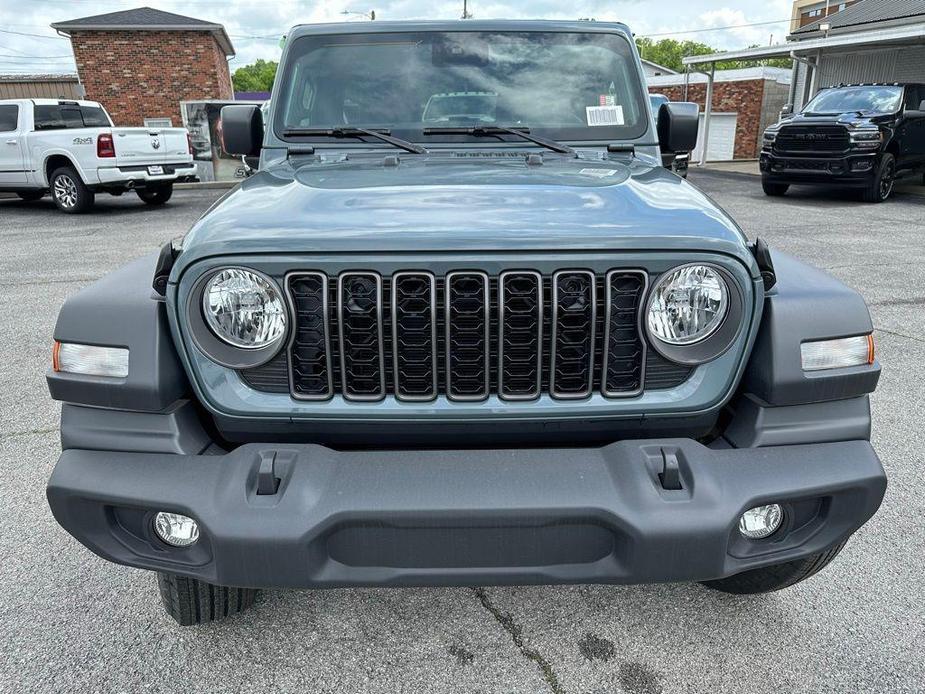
678,123
242,130
786,111
922,106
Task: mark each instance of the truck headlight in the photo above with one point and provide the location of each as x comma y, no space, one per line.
244,308
769,137
687,305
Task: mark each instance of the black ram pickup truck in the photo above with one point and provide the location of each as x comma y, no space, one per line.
858,136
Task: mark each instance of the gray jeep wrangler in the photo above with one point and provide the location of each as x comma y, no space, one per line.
506,347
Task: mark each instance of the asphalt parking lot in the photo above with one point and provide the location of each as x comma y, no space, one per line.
72,622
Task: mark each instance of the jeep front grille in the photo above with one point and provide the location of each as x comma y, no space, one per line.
466,335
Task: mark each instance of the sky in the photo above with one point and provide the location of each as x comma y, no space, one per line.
29,45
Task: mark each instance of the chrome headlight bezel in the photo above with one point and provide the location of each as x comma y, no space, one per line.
711,343
224,351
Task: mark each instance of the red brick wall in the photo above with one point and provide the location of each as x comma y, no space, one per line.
743,98
146,74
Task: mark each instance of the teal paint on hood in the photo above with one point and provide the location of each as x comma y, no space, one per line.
473,201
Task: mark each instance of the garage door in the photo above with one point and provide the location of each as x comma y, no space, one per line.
722,141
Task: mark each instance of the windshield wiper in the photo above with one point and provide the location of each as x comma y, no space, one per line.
495,130
352,131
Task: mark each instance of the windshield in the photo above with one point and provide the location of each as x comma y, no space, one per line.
578,86
863,99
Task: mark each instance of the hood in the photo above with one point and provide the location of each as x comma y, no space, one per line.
475,202
850,119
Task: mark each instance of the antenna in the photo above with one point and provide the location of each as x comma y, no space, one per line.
466,14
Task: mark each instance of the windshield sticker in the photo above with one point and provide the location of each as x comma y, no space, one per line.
600,173
604,115
610,98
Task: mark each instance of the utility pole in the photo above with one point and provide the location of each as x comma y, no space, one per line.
466,14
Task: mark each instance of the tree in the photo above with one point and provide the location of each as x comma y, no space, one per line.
255,78
669,52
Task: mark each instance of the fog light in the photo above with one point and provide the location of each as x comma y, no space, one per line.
175,529
761,521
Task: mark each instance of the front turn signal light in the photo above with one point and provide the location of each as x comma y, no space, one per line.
90,360
837,354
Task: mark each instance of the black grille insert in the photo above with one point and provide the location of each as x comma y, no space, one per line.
624,347
467,335
520,339
311,359
414,335
574,314
359,306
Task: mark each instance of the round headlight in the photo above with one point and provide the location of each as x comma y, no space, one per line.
244,308
687,305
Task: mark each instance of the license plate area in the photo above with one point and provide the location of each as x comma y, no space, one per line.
155,170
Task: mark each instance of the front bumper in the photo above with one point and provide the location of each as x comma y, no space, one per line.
851,169
466,517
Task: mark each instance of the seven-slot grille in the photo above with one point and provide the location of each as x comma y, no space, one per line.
466,335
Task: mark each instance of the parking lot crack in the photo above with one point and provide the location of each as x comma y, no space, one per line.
896,334
30,432
516,633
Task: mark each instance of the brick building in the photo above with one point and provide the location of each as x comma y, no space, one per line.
745,102
140,64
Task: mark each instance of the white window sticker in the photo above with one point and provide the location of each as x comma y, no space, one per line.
604,115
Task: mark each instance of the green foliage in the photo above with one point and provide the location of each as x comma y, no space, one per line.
669,52
255,78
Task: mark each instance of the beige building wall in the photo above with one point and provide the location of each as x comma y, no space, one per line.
39,88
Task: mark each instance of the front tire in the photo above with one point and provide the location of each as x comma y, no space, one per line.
31,195
190,601
881,188
69,192
776,577
774,190
155,195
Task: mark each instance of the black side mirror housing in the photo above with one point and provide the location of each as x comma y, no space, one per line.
242,130
678,123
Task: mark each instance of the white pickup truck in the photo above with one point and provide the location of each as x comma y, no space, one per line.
71,149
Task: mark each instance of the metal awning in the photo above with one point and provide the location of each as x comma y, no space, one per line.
898,35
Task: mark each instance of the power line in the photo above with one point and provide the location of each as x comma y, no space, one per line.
732,26
37,36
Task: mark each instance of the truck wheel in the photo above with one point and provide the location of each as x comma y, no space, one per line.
190,601
155,195
775,190
69,192
882,186
31,195
775,577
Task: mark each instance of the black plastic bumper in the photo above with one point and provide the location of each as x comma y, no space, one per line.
466,517
852,170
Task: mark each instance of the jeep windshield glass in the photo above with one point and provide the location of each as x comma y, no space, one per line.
856,99
579,86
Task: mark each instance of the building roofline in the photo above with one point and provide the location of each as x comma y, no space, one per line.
217,30
43,77
666,70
